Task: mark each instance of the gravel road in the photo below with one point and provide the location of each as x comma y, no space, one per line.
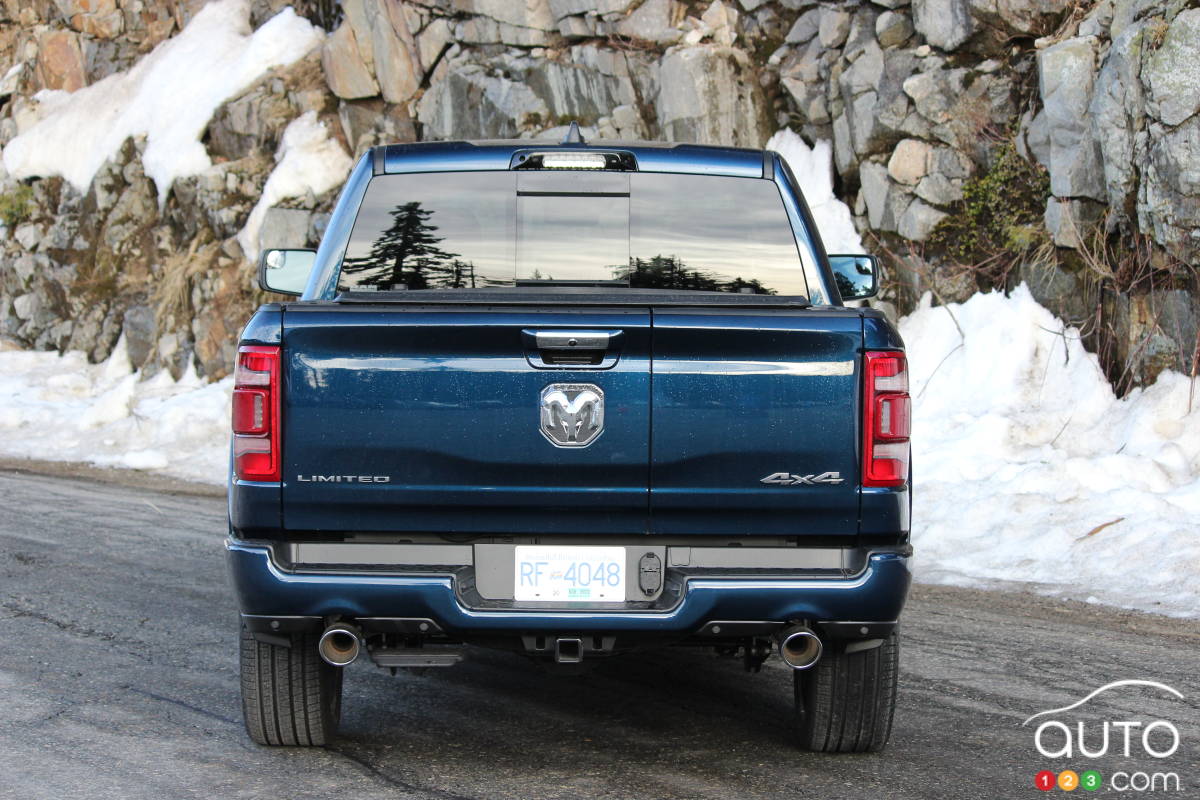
118,679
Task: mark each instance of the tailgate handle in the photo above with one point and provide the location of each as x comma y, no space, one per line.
575,340
572,349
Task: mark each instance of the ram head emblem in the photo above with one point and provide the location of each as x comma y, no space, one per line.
572,414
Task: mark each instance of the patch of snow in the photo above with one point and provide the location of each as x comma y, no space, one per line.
61,408
168,96
308,160
1027,469
813,168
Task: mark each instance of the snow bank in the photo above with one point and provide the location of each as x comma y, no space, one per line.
1028,469
168,96
60,408
813,169
307,161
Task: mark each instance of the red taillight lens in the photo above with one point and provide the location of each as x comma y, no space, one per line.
251,411
887,419
256,413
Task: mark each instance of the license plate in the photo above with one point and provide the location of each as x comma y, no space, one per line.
581,574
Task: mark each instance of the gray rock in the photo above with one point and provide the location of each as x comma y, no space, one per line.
1066,76
939,190
805,28
1118,111
934,93
886,202
626,118
875,188
864,74
892,3
1070,221
433,40
833,26
844,158
578,27
650,21
345,71
863,123
366,123
589,86
1098,20
27,306
1021,16
137,326
945,24
529,13
710,94
862,32
1172,73
909,162
471,103
919,220
484,30
24,268
1127,12
950,162
915,126
1036,137
28,235
395,70
809,99
721,20
1169,197
284,227
360,19
892,29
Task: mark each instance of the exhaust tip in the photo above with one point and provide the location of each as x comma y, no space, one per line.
800,648
340,645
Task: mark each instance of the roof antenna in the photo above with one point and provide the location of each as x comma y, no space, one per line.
573,135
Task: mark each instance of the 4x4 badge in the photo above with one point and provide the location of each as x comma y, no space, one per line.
788,479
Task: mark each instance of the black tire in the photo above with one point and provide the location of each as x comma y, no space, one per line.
845,702
289,695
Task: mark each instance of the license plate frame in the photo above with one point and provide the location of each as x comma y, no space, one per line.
570,573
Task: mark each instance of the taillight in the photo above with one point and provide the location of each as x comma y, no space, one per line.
256,413
887,419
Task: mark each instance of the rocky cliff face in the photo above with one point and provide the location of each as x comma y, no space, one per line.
978,143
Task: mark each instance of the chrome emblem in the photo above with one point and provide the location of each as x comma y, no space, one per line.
790,479
572,414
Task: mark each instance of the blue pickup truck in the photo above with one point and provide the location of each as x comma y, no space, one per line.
572,400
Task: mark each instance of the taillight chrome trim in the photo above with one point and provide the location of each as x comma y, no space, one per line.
256,453
886,454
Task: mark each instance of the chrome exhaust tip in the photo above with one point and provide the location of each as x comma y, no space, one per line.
340,644
799,647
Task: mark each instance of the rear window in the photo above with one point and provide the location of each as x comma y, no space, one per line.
458,230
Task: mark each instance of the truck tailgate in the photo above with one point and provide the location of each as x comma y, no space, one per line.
722,421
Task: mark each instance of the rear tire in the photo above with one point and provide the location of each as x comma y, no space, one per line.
845,702
289,695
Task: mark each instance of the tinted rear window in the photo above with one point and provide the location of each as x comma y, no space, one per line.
642,230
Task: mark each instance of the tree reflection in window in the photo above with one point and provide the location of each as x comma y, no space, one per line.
670,272
407,254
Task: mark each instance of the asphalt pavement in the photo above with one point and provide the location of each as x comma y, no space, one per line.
118,679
